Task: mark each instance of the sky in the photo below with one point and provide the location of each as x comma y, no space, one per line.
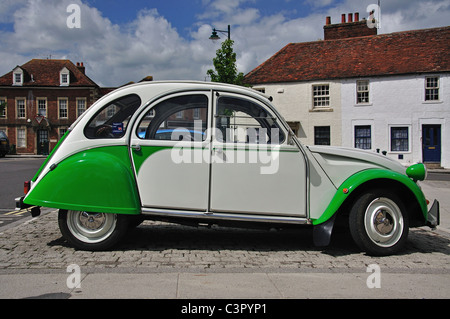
123,41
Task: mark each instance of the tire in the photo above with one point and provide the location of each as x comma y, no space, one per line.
379,223
92,231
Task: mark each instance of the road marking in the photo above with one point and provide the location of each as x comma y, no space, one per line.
18,212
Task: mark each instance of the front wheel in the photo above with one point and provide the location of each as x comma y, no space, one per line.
378,223
92,231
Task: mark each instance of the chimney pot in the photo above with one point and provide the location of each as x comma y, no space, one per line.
328,21
356,16
343,18
350,17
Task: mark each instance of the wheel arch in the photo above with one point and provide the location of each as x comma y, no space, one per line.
95,180
361,182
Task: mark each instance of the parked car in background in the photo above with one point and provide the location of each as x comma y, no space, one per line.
245,167
4,144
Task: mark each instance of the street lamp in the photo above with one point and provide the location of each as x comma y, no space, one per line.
214,36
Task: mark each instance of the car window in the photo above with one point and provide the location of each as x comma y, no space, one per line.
112,120
178,118
243,121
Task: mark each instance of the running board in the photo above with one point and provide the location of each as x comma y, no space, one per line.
224,216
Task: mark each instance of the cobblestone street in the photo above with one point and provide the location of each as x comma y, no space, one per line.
156,246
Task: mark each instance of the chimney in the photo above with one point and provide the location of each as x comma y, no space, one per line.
328,21
348,29
81,67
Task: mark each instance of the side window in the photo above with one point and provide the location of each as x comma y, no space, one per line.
112,120
242,121
178,118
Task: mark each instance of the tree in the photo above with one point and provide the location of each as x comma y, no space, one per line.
225,65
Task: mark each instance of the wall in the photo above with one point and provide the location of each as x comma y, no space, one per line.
294,102
398,100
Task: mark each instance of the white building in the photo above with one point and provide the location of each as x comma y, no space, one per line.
387,93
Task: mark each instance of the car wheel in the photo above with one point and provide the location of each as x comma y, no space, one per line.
378,223
92,231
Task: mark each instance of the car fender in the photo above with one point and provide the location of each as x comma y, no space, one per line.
95,180
360,178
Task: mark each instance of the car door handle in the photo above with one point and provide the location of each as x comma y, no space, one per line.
136,147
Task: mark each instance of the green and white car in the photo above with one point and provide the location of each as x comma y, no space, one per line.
242,167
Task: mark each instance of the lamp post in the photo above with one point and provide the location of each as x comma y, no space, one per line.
214,36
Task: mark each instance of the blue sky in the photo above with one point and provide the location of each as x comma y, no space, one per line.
122,41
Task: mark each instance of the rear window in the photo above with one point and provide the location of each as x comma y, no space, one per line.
112,120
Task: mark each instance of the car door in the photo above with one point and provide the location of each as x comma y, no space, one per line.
253,168
167,147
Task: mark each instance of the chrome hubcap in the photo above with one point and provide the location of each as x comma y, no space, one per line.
383,222
90,227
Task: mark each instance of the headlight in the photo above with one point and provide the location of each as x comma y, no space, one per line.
418,172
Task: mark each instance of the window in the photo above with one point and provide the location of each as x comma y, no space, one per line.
163,122
18,76
81,106
321,95
399,139
322,135
3,106
42,107
64,77
362,92
432,88
62,106
363,137
62,131
112,120
20,106
242,121
21,137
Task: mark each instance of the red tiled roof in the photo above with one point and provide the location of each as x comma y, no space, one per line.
44,72
418,51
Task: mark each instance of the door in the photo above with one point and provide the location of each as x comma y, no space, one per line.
170,148
42,142
253,169
431,143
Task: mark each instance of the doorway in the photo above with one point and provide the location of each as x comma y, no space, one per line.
431,143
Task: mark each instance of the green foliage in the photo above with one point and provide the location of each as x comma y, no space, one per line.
225,65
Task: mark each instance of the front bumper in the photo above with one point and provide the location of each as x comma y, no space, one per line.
34,210
433,215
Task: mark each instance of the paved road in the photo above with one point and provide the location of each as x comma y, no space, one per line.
162,260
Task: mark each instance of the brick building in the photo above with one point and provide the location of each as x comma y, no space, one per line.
356,88
43,98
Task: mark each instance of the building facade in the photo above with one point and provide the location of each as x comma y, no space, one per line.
386,93
42,98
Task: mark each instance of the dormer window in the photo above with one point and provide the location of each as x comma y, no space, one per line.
17,76
64,77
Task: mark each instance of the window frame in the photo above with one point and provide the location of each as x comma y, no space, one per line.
327,97
60,99
78,100
316,135
369,137
18,112
4,114
40,99
392,139
431,88
358,92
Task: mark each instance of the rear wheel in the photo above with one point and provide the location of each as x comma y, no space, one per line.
378,223
92,231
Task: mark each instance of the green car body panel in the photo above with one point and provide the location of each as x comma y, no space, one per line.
356,180
95,180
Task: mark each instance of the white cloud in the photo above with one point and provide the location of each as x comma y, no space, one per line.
150,44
